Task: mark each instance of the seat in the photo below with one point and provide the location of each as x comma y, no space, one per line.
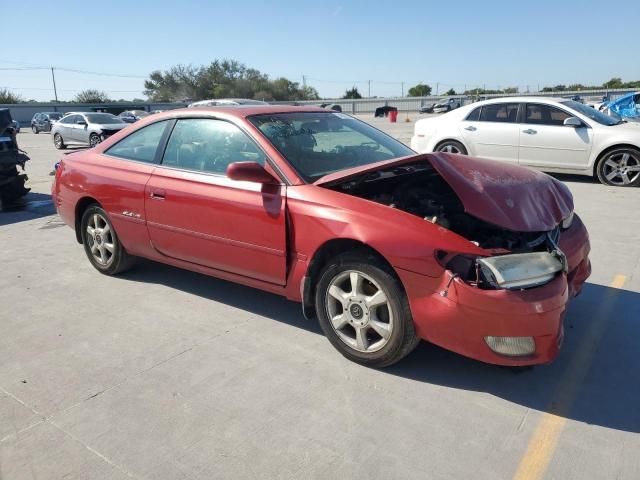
189,157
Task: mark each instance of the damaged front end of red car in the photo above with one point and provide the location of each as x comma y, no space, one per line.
504,306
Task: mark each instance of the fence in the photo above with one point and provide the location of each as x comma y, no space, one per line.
414,104
23,112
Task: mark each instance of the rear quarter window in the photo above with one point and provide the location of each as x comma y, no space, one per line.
141,145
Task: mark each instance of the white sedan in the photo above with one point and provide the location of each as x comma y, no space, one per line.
554,135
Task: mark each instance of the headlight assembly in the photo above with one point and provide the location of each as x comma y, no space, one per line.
521,270
566,223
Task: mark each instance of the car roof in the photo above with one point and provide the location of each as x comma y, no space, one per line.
242,111
554,100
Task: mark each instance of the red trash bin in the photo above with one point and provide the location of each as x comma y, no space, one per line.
393,116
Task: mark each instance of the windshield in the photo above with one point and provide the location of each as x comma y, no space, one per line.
102,118
592,113
317,143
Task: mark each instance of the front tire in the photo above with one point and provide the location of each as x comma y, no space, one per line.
364,312
94,139
101,243
58,142
451,146
35,130
619,167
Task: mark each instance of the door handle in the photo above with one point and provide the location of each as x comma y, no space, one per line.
471,128
530,131
157,194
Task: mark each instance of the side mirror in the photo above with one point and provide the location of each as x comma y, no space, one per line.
249,172
574,122
80,122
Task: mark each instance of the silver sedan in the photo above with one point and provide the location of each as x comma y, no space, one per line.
85,129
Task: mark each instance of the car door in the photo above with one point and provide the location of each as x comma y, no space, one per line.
81,130
65,128
491,131
545,142
126,168
197,214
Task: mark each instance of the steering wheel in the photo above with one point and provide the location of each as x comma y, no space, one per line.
348,155
372,145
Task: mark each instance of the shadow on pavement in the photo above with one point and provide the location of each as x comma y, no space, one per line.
567,177
609,396
33,205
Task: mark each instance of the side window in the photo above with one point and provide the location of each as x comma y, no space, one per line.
141,145
209,145
71,119
544,115
474,116
499,112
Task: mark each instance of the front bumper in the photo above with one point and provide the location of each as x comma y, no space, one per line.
460,319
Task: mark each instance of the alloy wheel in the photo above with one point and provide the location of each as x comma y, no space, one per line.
621,167
359,311
449,148
94,140
100,239
57,140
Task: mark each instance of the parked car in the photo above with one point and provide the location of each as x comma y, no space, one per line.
331,106
44,121
428,107
132,116
85,128
226,102
627,107
15,125
446,105
550,134
384,246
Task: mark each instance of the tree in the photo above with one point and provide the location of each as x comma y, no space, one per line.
91,96
615,82
221,79
451,91
353,93
420,90
7,96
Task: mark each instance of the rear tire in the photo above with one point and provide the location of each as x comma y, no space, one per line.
451,146
370,324
101,243
58,142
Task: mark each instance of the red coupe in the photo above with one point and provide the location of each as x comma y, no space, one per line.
383,246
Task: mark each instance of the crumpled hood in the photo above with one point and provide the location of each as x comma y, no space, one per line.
509,196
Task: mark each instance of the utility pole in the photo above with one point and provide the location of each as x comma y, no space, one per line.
304,81
402,83
369,94
437,87
53,77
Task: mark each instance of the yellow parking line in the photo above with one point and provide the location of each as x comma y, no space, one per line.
545,438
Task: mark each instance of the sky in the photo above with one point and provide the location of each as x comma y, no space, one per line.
334,44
